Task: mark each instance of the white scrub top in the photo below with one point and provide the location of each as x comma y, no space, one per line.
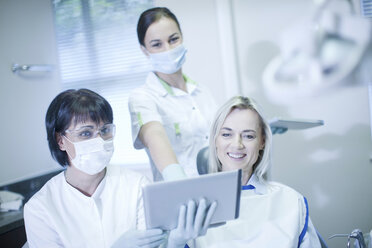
59,215
186,118
271,215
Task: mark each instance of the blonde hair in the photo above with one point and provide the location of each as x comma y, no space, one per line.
262,166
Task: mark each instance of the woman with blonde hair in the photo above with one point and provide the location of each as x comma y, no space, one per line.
271,214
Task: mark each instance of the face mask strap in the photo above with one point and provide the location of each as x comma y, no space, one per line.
68,139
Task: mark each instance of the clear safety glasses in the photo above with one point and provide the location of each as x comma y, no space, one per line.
106,132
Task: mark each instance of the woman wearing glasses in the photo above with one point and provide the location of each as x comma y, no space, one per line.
91,203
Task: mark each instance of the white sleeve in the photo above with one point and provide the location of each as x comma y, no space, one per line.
309,236
141,222
310,239
39,229
142,109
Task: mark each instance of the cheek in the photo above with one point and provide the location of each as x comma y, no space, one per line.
152,50
145,51
219,148
255,151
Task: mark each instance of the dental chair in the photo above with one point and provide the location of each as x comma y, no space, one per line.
202,166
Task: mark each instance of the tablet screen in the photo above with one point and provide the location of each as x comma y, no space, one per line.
162,200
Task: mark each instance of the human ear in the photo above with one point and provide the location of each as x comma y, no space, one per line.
60,142
262,145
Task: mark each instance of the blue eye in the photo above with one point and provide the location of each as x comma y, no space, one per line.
86,134
249,136
105,131
225,135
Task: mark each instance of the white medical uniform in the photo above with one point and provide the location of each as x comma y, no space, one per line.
59,215
186,118
271,215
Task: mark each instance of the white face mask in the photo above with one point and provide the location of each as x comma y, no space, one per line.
168,62
92,156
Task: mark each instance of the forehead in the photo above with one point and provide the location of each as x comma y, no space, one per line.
242,119
161,29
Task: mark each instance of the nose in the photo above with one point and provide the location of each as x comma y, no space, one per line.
238,142
167,46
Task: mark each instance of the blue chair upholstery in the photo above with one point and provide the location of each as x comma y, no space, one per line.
202,160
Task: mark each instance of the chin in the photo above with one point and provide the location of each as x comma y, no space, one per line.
232,167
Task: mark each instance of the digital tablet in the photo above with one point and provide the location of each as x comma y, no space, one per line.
162,200
295,123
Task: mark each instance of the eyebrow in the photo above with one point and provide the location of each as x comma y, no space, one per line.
244,131
81,127
158,40
171,36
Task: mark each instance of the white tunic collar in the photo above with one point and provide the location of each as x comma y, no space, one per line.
164,89
259,187
97,193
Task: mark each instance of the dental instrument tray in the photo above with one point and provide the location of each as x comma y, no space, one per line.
294,124
162,200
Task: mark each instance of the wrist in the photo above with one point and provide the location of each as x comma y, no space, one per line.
173,172
175,242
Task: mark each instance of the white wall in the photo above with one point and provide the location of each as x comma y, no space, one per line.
330,165
27,37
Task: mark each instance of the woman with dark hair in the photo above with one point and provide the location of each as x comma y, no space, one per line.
92,203
170,113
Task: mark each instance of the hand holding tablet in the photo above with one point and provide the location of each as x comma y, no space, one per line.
193,221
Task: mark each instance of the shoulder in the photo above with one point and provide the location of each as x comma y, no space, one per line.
126,176
276,186
140,92
288,198
146,89
143,96
41,199
201,90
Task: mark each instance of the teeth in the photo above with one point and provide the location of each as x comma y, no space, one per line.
236,155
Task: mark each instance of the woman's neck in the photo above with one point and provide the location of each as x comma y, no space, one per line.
175,80
86,184
246,175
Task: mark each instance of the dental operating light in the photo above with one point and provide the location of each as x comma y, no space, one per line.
329,50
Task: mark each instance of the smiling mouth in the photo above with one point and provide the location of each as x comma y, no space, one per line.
236,155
